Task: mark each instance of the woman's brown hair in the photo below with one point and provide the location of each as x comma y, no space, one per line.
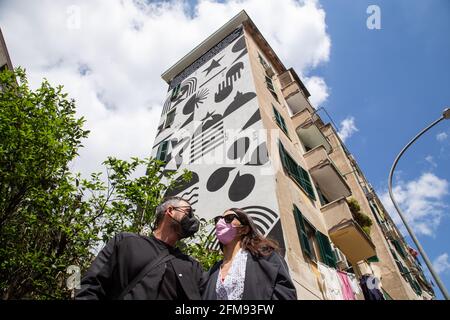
253,240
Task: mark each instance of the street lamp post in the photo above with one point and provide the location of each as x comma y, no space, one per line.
445,115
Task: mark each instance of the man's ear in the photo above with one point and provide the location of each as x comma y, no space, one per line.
169,212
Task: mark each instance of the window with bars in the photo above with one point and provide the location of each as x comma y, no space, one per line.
296,172
280,120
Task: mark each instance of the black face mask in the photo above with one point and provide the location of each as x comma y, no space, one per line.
188,226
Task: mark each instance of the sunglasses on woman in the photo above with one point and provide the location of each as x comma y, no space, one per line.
228,218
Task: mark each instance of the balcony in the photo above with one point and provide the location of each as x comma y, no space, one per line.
294,92
307,128
325,174
346,233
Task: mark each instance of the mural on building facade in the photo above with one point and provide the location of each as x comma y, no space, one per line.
217,118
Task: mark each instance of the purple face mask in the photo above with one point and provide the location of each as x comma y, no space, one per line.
225,232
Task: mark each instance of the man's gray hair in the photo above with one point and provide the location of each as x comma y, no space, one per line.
169,201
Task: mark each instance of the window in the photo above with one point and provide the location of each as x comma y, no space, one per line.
280,121
162,151
302,231
271,87
262,61
175,92
296,172
326,251
313,241
399,247
169,119
406,273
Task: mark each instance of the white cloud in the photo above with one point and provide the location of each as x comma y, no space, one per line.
348,128
431,161
421,200
441,263
112,63
318,90
441,136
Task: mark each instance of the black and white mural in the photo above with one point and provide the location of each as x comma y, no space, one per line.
218,135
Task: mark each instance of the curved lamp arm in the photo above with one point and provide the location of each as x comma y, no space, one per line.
445,115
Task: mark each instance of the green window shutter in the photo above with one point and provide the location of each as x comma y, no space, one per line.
373,259
162,151
282,155
280,120
300,223
326,251
305,182
296,172
284,126
399,248
277,116
269,83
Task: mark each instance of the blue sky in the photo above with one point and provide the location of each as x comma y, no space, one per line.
394,82
381,87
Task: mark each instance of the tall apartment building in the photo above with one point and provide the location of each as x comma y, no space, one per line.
241,121
5,61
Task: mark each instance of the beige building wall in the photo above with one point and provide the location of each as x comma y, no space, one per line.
390,277
303,269
287,191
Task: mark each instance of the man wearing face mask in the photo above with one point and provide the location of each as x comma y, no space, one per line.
136,267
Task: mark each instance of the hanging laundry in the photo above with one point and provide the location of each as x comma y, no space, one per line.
346,288
320,281
371,287
331,282
354,283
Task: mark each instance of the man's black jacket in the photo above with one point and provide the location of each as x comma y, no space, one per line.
124,257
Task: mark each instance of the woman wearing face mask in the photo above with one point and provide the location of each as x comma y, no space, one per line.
251,268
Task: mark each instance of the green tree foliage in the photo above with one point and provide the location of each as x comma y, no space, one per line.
50,218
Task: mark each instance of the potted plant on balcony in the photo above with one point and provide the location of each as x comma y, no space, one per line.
360,217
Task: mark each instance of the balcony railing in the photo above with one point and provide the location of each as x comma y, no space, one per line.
346,233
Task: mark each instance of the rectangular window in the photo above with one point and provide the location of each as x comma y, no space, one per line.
280,121
271,87
296,172
169,119
175,92
162,150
